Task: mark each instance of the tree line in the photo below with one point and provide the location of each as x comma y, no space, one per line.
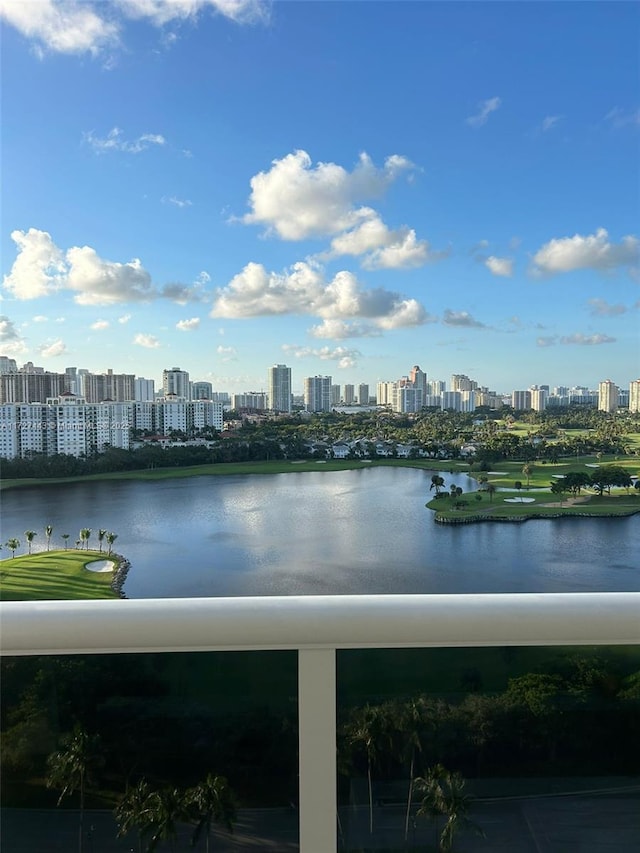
82,542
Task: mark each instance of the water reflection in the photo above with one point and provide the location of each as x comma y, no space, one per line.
364,531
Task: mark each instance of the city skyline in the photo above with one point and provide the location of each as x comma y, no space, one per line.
221,196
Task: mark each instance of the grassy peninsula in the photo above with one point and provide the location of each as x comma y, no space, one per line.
53,575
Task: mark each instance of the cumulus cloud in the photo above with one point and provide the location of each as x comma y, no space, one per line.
99,325
60,27
461,318
146,341
188,325
115,141
124,319
226,353
52,349
339,329
41,268
64,26
602,308
499,266
593,251
302,290
10,339
297,200
547,340
485,108
40,318
344,357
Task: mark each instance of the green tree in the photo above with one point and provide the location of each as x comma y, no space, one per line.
365,732
166,808
211,801
443,795
101,534
527,468
85,534
111,538
518,486
30,535
491,489
13,544
65,537
71,768
48,531
437,482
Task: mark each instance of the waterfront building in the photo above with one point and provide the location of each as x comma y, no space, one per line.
317,394
251,400
607,396
335,395
349,395
363,394
176,381
279,388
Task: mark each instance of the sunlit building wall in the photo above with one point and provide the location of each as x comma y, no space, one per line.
634,395
607,396
279,388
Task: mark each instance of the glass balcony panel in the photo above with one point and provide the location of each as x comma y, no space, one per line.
509,748
158,725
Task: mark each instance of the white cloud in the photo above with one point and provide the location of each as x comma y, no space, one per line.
344,357
61,27
52,349
499,266
403,252
547,341
594,251
618,117
65,26
39,267
548,122
485,108
297,200
226,353
461,318
147,341
124,319
339,329
203,278
602,308
114,141
177,202
99,325
587,340
188,325
10,339
40,318
302,290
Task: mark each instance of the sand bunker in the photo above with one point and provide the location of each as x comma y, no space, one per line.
519,500
101,566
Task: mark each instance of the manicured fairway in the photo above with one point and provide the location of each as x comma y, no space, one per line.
54,575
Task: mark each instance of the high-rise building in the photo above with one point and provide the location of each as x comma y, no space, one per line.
279,388
607,396
335,395
634,395
201,390
176,381
521,400
461,382
98,387
8,365
144,390
539,399
418,379
349,395
363,394
317,394
31,386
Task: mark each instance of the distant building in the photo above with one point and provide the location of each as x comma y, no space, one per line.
335,395
317,394
8,365
279,388
349,395
98,387
201,391
144,390
607,396
176,381
521,400
634,395
363,394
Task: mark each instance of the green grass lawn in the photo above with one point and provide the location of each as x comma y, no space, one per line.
54,575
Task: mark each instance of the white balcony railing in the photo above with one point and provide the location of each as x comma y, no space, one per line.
317,626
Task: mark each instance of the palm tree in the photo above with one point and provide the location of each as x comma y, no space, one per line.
409,723
133,812
85,533
48,532
13,545
443,794
64,536
111,538
437,482
527,468
491,491
211,801
165,809
518,486
70,768
101,535
365,731
29,535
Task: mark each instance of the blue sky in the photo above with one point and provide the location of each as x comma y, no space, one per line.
347,188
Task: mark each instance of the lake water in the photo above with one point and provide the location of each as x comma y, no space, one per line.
364,531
